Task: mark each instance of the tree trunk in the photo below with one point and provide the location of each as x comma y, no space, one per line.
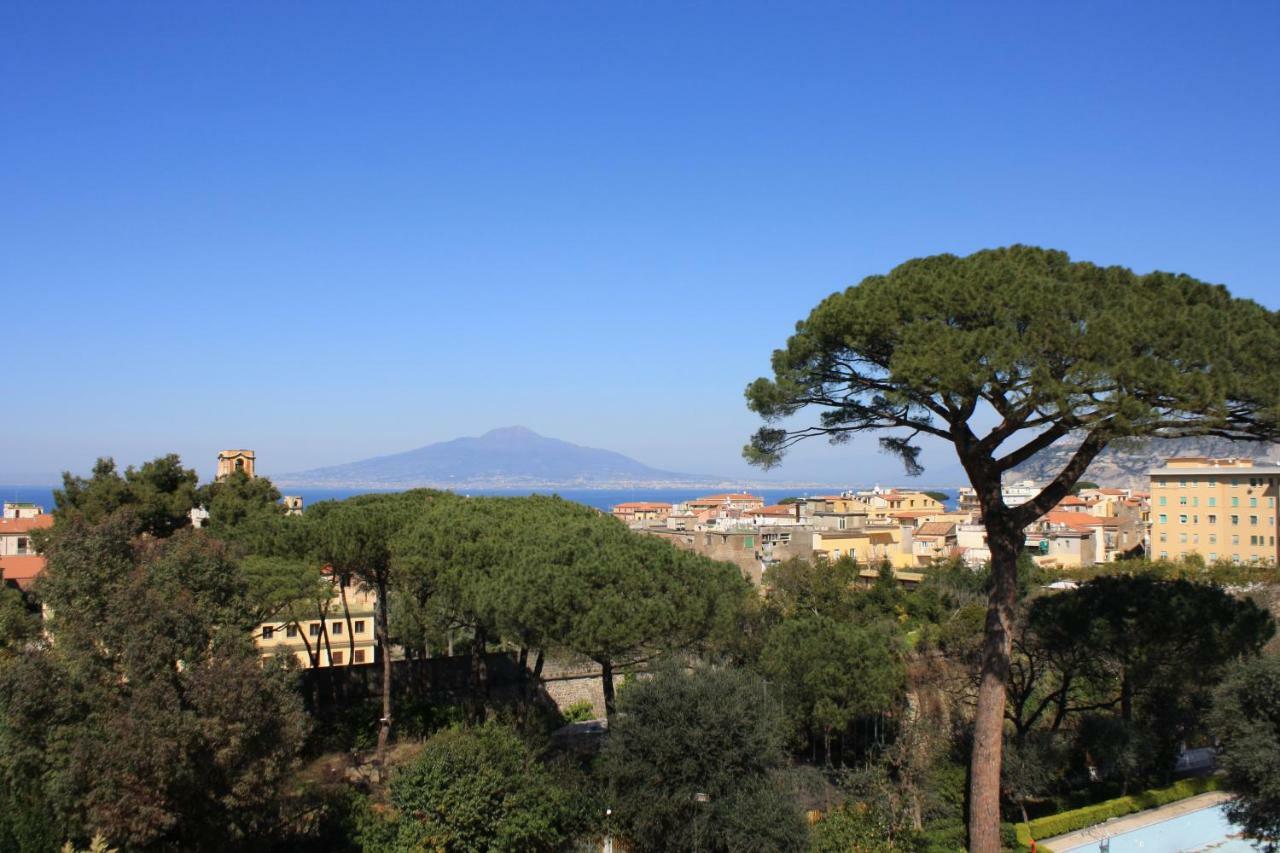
1005,542
478,677
1126,696
346,612
384,643
606,684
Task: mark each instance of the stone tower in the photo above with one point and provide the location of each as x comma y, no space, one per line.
230,461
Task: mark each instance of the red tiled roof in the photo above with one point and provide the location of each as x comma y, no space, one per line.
25,525
775,509
21,570
935,528
1078,520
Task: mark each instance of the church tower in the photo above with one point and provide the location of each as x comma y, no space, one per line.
230,461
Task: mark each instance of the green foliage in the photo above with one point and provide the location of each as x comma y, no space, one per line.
707,731
1081,485
18,623
1064,822
828,673
1165,643
1246,716
940,497
480,790
239,501
152,718
159,496
857,826
536,571
1047,342
579,711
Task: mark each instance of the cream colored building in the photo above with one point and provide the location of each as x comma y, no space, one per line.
326,641
1221,509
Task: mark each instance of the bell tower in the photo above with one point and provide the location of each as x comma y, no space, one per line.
230,461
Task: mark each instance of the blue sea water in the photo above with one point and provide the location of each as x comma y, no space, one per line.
600,498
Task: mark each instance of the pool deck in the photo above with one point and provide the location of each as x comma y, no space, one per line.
1093,834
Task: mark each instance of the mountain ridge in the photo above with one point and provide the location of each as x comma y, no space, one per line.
1126,465
507,457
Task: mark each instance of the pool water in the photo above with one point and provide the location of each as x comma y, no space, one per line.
1206,829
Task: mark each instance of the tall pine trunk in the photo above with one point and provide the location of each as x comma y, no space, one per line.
384,644
606,685
346,612
1005,542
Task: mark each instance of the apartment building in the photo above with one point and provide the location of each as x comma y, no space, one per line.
641,512
1221,509
320,636
20,565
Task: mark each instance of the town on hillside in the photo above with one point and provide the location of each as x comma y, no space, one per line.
1217,509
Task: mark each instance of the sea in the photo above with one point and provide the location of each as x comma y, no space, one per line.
603,499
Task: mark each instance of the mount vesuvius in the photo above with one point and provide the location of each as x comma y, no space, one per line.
511,457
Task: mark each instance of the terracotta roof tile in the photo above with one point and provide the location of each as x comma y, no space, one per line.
21,570
25,525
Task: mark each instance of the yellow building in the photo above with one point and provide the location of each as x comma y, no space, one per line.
867,545
230,461
1221,509
885,504
320,636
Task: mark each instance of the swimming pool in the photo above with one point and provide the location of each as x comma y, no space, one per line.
1206,829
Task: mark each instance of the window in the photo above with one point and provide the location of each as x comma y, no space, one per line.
748,541
1235,538
268,632
357,656
358,626
1182,501
1213,501
1164,519
1235,519
1164,537
1235,502
1213,519
291,631
1253,520
1213,556
1182,519
1182,537
1183,484
22,544
1253,503
1195,501
1164,501
337,627
1213,539
314,629
1164,555
335,658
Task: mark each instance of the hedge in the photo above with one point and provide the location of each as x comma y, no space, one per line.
1064,822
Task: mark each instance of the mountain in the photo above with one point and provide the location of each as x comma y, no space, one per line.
512,457
1125,465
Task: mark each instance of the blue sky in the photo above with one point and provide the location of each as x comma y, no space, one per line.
333,230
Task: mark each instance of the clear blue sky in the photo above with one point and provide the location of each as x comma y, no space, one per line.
332,230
